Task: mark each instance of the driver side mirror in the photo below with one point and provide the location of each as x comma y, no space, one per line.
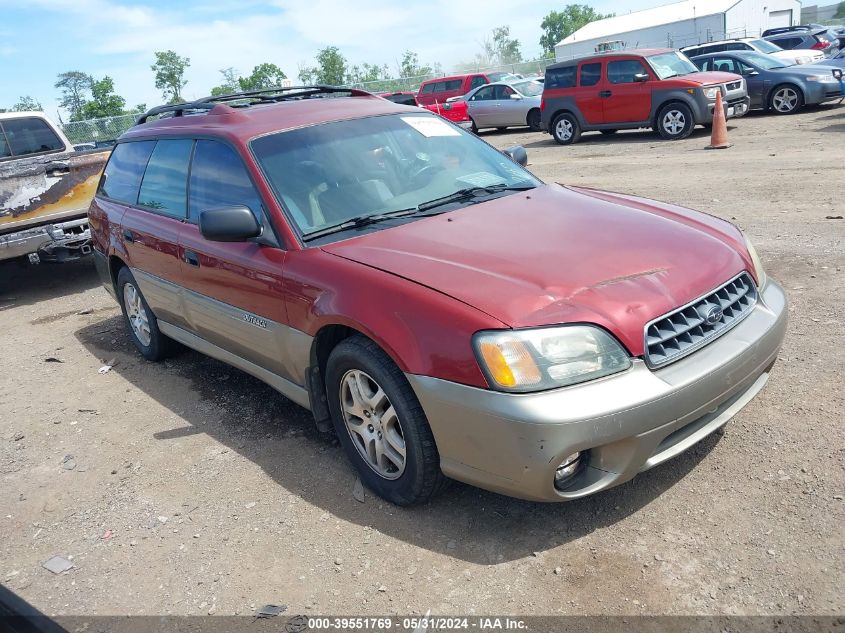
229,224
641,77
838,74
517,154
516,97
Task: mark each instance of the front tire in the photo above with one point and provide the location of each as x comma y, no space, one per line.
675,121
473,128
381,424
565,129
786,99
140,320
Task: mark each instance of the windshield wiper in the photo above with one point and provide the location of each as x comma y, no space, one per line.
422,210
469,193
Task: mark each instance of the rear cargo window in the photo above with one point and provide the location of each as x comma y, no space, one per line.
165,184
219,179
122,176
30,135
560,77
590,74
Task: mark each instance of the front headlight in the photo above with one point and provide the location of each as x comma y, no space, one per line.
711,93
758,265
545,358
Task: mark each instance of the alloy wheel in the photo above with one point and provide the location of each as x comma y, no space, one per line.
785,100
137,314
674,122
564,129
373,424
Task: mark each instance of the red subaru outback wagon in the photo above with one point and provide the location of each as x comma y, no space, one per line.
449,314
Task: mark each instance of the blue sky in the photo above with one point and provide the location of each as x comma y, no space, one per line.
41,38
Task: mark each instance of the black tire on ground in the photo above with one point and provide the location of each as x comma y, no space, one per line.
473,128
159,346
786,99
421,478
533,120
609,132
675,121
565,129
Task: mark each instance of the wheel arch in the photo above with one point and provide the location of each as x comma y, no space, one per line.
672,101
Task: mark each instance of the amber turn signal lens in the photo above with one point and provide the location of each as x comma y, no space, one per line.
510,363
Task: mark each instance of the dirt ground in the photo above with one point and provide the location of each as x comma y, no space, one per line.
190,488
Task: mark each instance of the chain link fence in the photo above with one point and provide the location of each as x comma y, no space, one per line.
99,130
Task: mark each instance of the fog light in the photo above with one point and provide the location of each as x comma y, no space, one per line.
568,467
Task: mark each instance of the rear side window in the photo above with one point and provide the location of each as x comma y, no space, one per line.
477,81
452,84
165,184
560,77
788,42
122,176
220,179
590,74
30,135
622,72
428,88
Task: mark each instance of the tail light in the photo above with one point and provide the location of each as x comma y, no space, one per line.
542,104
820,45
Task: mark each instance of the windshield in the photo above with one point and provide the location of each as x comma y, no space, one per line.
673,64
327,174
766,62
765,46
529,88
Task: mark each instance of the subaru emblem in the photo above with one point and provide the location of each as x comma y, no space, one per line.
714,315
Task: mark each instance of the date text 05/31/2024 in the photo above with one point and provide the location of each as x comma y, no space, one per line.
421,623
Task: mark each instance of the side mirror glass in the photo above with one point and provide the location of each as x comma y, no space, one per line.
641,77
517,153
229,224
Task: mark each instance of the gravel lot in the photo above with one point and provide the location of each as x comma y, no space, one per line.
191,488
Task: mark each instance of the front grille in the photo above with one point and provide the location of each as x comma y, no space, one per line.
684,330
734,85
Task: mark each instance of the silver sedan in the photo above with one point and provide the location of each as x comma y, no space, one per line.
505,104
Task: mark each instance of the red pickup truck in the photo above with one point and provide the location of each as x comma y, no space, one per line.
443,311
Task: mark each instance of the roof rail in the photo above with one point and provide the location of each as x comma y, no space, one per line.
250,97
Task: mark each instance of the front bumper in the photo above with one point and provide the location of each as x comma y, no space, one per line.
628,423
822,92
734,108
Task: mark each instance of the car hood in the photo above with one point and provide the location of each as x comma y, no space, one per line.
557,255
707,78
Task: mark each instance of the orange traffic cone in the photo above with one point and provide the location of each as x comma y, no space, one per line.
719,137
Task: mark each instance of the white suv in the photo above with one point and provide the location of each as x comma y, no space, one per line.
794,56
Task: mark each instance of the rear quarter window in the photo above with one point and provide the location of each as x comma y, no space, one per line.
164,188
124,171
560,77
30,135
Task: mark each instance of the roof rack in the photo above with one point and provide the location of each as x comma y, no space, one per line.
249,98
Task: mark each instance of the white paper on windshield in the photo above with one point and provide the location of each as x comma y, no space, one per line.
430,126
480,179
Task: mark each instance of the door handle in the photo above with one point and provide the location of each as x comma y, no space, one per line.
57,169
192,258
604,94
128,235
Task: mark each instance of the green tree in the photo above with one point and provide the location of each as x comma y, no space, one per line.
75,86
410,66
840,11
505,50
230,83
331,68
104,102
368,73
26,104
263,76
169,69
558,25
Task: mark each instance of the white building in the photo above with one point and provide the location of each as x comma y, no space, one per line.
681,24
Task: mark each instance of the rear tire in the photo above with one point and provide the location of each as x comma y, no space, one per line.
473,128
533,120
377,417
565,129
140,320
675,121
786,99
